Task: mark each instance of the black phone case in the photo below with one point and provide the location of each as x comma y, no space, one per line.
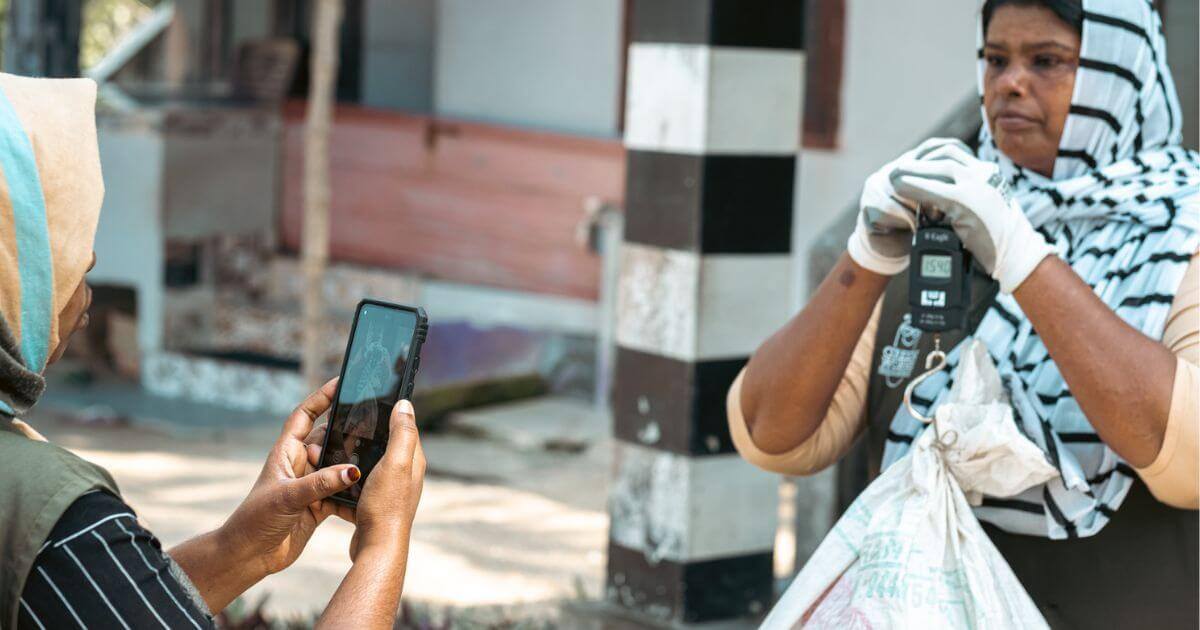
412,363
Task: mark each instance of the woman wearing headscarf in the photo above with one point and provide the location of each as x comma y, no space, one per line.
72,553
1081,212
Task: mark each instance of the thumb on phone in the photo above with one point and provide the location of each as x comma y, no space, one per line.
318,485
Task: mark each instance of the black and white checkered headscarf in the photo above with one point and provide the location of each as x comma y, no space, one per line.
1123,210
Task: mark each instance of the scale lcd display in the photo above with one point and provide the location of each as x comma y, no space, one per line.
935,266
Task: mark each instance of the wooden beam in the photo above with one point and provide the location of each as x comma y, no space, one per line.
825,46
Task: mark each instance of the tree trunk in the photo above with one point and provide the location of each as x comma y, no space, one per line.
315,237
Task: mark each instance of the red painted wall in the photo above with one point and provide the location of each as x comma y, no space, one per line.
457,201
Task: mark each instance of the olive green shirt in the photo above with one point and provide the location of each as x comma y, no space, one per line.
40,481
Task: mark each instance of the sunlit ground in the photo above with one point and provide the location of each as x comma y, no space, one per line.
495,526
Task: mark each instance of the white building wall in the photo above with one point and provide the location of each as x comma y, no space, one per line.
397,54
547,64
1183,52
129,238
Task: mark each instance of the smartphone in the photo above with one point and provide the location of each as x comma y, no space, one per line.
381,362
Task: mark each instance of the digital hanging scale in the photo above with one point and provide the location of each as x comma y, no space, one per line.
939,296
939,285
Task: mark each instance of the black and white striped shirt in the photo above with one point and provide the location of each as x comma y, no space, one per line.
100,569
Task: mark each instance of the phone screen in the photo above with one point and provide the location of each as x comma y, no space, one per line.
376,363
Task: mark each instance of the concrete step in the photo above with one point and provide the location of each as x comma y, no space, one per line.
545,423
232,383
118,403
260,315
254,302
218,322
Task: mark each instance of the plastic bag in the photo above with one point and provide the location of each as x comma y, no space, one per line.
909,552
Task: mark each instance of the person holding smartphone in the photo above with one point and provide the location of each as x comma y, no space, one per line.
72,553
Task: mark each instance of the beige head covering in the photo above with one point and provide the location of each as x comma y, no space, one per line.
49,205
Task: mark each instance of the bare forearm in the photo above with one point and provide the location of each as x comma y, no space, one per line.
1121,378
792,377
218,570
370,593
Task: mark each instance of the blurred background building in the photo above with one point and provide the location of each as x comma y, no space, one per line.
473,146
479,168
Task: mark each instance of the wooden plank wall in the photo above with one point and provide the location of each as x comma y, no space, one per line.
457,201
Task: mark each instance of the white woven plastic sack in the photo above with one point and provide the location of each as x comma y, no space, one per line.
909,552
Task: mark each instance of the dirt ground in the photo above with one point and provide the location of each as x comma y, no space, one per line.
496,525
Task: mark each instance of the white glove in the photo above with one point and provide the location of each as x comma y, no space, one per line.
974,197
882,235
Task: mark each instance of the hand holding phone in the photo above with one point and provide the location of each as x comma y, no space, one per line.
383,520
370,592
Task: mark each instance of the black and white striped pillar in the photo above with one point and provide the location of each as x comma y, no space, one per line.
713,111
